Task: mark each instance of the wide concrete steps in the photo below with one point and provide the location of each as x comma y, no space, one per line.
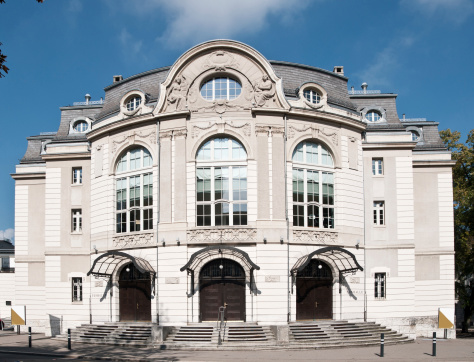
328,334
112,333
192,334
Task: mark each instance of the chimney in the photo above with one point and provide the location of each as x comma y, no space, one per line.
403,116
338,69
117,78
88,98
364,87
352,89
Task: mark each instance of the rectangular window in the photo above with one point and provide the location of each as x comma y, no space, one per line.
377,166
379,213
77,289
380,285
76,220
77,175
221,193
313,198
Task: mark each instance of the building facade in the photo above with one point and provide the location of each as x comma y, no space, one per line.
228,179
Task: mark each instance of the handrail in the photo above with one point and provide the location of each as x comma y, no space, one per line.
221,323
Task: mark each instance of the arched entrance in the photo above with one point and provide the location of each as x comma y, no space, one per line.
134,294
314,291
222,281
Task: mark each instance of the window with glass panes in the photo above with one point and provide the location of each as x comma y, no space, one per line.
377,166
77,289
380,285
221,183
134,191
77,175
379,213
313,186
221,88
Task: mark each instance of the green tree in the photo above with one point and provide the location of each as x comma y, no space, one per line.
3,58
463,195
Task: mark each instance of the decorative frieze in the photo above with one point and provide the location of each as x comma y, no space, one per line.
244,127
135,240
220,60
218,235
173,133
315,131
319,237
272,278
130,137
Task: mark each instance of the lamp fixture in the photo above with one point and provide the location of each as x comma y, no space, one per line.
264,240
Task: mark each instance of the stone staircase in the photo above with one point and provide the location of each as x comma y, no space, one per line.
112,333
328,334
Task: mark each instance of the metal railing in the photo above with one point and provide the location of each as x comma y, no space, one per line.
221,323
90,103
371,91
412,119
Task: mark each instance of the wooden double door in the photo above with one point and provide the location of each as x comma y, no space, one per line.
134,295
314,292
222,283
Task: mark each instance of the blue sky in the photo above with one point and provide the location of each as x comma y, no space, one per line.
58,51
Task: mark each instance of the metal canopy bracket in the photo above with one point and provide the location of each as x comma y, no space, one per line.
220,250
344,261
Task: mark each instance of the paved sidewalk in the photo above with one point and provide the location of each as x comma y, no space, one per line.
447,350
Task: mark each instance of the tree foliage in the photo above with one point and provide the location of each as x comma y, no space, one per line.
3,58
463,195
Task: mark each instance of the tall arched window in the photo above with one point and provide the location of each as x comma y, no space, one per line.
134,191
313,186
221,183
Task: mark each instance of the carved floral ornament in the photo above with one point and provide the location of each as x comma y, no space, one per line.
129,241
314,131
220,60
199,127
320,237
131,136
224,235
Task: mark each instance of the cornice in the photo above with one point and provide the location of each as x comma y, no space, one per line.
389,146
65,156
434,163
28,175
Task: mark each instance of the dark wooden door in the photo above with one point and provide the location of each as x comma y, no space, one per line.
222,286
314,292
134,295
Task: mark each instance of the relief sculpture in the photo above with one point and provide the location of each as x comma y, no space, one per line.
264,90
177,94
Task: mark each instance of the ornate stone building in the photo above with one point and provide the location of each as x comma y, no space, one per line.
230,179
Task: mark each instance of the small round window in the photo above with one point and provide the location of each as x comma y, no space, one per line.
221,88
312,96
81,126
373,116
133,103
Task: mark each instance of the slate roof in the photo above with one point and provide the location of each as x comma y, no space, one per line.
33,150
6,247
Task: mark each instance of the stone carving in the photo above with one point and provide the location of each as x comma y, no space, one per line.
262,130
166,134
197,129
272,278
177,94
264,90
130,241
224,235
269,130
320,237
314,130
151,135
219,106
182,132
245,127
220,61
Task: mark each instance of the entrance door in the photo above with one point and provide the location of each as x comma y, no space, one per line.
314,292
222,281
134,295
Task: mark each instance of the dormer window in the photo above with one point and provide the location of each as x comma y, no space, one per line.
81,126
415,136
373,116
312,96
133,103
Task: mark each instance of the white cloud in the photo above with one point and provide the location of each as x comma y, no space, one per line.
379,72
130,46
456,11
75,6
7,234
192,21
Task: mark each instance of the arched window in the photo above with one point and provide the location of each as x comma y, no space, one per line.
312,95
313,186
373,116
221,88
134,191
221,183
